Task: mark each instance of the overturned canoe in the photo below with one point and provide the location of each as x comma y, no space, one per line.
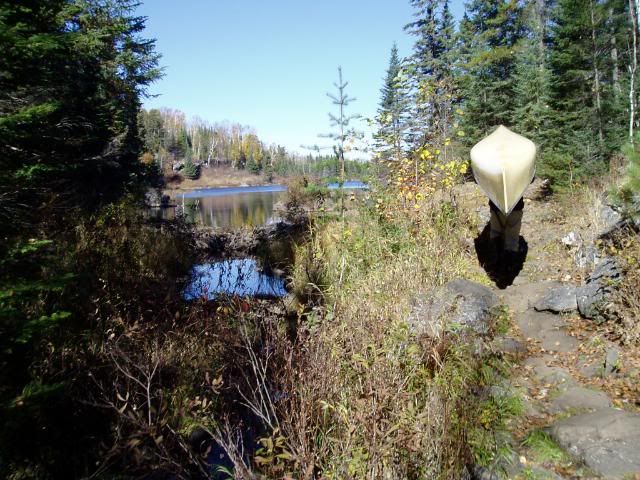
503,164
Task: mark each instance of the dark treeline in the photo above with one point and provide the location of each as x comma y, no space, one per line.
169,136
78,266
561,72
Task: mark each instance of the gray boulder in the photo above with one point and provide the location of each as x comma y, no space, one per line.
587,256
607,441
611,221
458,305
177,166
539,189
593,294
560,299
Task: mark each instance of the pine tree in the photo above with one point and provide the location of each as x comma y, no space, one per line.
344,133
629,193
431,72
393,114
489,32
190,170
578,95
427,48
72,74
71,77
532,114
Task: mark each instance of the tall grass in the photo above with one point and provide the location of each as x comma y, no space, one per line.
369,399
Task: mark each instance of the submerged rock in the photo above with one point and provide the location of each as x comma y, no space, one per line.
458,305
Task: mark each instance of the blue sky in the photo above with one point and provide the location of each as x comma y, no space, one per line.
269,64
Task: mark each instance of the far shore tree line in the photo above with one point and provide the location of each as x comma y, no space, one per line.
169,136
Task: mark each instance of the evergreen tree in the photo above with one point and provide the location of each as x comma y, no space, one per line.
344,134
446,34
532,114
629,193
393,114
72,74
190,170
578,65
489,32
428,47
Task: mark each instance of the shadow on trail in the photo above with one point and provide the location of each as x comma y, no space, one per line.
502,267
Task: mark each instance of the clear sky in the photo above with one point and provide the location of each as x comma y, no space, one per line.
269,64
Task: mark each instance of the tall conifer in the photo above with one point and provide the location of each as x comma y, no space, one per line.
489,32
392,119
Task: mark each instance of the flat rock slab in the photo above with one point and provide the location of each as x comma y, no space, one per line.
607,441
579,398
520,298
559,299
544,373
546,328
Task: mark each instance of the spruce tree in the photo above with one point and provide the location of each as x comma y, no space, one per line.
431,71
532,114
489,32
393,114
578,66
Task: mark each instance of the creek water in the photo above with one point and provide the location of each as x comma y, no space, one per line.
235,208
240,276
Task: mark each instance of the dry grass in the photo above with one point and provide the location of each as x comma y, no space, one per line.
370,399
626,299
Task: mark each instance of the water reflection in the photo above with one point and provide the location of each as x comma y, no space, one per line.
229,209
349,185
233,277
234,207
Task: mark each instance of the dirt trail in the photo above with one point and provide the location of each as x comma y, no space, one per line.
581,391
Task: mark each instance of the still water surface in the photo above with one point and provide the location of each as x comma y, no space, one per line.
240,277
230,207
235,207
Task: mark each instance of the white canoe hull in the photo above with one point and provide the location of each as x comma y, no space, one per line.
503,165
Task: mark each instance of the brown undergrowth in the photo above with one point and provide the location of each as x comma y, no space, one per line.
365,397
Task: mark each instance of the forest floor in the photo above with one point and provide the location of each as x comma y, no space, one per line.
580,385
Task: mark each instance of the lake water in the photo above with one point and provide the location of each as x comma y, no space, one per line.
242,277
229,207
235,207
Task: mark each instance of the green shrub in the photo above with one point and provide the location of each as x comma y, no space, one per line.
190,170
628,194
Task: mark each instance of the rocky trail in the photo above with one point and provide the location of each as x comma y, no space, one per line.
580,388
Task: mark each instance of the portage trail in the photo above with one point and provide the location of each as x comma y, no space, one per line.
580,388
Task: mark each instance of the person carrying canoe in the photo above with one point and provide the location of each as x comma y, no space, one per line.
503,165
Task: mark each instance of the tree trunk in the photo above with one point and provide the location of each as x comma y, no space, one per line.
596,73
633,65
615,71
